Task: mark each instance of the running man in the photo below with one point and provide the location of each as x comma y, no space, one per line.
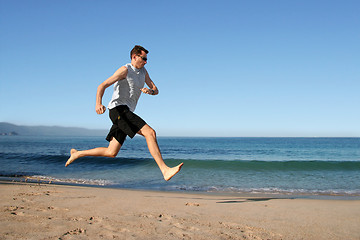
128,83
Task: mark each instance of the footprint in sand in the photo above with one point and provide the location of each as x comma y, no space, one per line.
193,204
76,231
13,210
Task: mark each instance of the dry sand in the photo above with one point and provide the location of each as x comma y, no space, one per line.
46,211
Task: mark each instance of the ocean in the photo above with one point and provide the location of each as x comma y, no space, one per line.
287,166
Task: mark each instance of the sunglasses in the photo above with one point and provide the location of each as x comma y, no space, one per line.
143,58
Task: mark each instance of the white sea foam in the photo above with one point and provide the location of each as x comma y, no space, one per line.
47,179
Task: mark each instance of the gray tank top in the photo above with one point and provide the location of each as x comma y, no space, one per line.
127,91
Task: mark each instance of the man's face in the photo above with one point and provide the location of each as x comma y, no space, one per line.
140,60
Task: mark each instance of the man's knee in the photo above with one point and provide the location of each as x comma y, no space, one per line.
153,133
149,132
111,153
113,149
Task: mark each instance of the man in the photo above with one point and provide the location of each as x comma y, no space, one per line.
128,83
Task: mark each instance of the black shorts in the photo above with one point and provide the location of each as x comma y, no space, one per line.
125,123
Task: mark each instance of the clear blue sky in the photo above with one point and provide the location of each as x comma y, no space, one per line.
223,68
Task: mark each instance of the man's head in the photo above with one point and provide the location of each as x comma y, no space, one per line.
138,56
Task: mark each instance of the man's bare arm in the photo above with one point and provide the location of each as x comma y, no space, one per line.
120,74
153,90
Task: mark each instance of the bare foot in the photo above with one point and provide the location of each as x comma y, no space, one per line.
169,173
72,158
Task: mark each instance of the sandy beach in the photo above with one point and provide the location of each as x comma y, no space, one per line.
47,211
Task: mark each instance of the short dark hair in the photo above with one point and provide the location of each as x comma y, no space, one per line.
137,50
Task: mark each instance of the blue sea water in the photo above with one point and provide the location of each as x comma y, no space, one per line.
313,166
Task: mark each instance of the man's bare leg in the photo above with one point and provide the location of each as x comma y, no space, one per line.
111,151
153,146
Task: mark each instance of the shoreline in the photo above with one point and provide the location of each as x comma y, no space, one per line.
275,195
49,211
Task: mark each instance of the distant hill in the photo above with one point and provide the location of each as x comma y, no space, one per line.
12,129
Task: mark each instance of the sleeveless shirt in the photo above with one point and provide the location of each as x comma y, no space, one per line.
127,91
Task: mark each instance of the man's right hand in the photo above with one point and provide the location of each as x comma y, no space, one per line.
100,109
